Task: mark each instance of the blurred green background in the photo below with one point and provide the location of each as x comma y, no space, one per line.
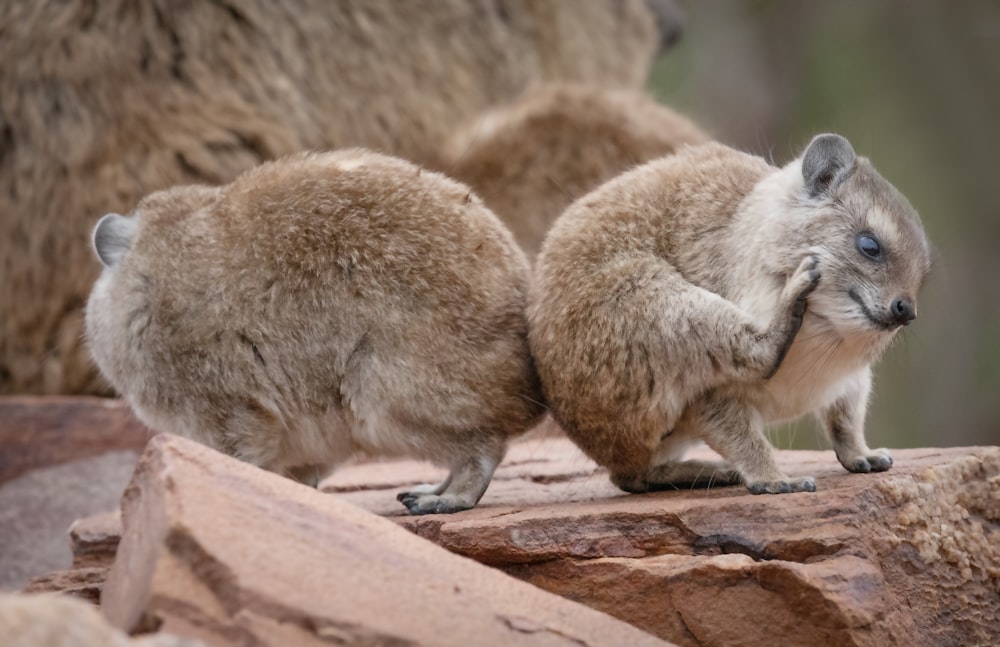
915,86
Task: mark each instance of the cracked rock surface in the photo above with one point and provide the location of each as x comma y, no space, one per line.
909,556
220,551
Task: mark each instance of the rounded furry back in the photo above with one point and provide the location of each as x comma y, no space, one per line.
530,159
319,306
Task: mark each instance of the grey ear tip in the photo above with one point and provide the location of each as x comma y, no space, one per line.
831,140
104,221
826,162
112,237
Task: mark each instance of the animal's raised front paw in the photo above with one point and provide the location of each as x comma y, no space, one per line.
804,484
877,460
802,283
799,286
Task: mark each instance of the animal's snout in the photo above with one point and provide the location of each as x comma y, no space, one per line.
903,311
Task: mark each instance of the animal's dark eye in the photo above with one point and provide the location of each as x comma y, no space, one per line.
869,246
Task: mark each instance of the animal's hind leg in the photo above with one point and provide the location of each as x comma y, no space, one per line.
465,485
692,473
669,472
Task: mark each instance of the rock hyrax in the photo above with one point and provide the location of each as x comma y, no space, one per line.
530,159
707,294
320,306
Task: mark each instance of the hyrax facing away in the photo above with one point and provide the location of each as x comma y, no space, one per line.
706,294
530,159
317,307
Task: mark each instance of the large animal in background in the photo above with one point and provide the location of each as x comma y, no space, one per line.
531,158
102,103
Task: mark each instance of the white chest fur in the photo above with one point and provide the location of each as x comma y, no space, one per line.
819,368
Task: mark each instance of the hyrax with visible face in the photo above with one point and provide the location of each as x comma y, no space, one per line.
706,294
317,307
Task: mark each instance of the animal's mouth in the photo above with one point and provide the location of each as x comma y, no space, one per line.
882,323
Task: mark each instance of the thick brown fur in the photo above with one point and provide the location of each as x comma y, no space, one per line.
104,102
706,294
320,306
529,160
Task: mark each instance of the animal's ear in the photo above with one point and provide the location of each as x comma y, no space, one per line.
113,237
826,163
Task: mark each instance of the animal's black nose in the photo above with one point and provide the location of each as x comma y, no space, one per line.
902,311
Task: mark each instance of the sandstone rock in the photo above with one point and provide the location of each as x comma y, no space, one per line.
95,539
37,508
60,459
84,583
907,556
536,471
61,621
911,556
45,431
219,550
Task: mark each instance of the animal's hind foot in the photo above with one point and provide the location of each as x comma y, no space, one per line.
679,475
785,486
430,503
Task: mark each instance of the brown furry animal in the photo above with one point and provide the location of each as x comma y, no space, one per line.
529,160
320,306
706,294
102,103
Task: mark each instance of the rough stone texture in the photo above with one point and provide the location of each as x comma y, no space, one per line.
60,459
61,621
911,556
94,541
84,583
219,550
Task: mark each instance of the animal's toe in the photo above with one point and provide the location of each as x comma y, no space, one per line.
880,462
860,465
805,484
422,503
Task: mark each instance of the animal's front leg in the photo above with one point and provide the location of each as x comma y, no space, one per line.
844,421
733,430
